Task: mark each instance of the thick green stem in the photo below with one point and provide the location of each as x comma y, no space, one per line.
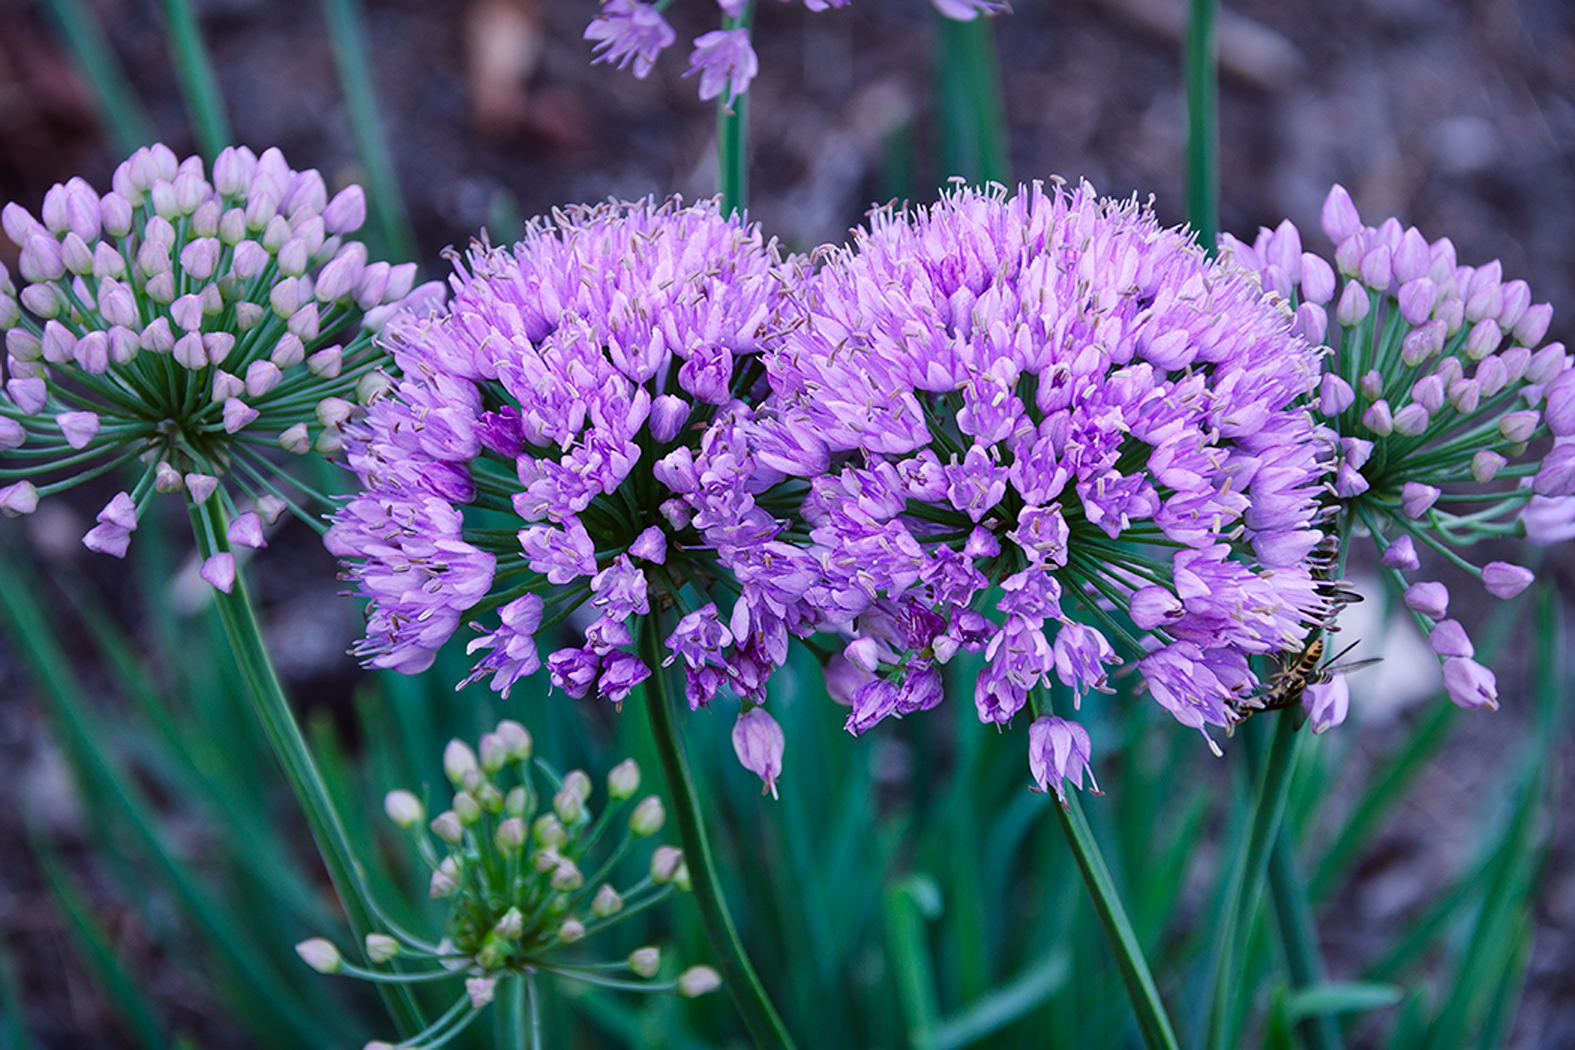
1147,1006
737,973
197,79
732,142
1299,933
272,709
1203,123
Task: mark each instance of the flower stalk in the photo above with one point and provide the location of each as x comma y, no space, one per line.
760,1016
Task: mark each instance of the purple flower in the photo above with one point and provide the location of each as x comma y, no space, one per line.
724,58
628,31
1327,703
1059,751
173,318
759,742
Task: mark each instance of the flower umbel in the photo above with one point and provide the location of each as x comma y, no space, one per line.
200,328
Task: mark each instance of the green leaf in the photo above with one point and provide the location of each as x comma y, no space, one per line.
1004,1005
1341,997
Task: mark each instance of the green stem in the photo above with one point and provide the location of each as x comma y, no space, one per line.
732,143
1203,124
197,80
1147,1006
1299,932
278,723
737,973
119,108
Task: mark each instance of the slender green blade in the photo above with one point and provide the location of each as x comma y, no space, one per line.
119,108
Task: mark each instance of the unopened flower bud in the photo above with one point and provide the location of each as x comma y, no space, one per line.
468,809
445,881
510,835
1378,419
458,758
697,981
380,947
1517,427
1504,580
571,931
568,806
647,818
566,876
549,832
1353,307
372,386
607,902
295,439
1411,420
1448,638
448,826
624,780
645,961
320,954
1429,598
1401,554
515,801
404,809
665,862
480,990
1372,385
1416,499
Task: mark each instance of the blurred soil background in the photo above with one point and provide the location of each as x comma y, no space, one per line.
1457,117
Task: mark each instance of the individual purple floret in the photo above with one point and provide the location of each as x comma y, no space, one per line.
189,321
1043,428
579,392
628,31
1435,387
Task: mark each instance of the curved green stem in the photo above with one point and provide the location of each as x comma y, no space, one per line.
742,983
278,723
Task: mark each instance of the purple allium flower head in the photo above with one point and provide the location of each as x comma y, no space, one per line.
628,31
1436,370
169,322
1059,385
724,58
535,391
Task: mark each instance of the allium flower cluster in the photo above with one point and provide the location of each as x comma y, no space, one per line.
1434,394
197,327
579,395
510,856
1040,427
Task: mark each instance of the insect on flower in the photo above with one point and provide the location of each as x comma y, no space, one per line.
1286,687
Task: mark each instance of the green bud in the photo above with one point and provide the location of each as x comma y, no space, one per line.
648,817
490,797
569,806
320,954
546,859
579,782
446,826
380,947
404,809
494,753
607,902
511,925
697,981
516,740
458,760
467,808
515,802
510,835
490,957
572,930
445,881
681,879
665,862
624,780
567,876
549,832
645,961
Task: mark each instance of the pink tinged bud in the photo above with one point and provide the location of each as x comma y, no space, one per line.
320,955
246,531
23,345
276,233
346,212
190,352
78,428
304,322
1339,217
261,377
232,226
248,260
1469,684
201,486
1284,250
288,352
340,277
1430,599
200,258
1059,750
107,539
117,304
1335,395
295,439
116,210
1416,300
41,259
12,434
1533,324
1411,420
1372,384
326,363
270,508
1517,427
237,415
1378,419
697,981
41,300
107,262
1448,638
1465,395
863,653
370,288
669,413
401,279
1428,392
1485,338
1485,464
758,741
161,289
1504,580
293,257
57,344
167,479
54,210
218,345
20,225
1416,498
285,297
186,312
1378,268
1327,703
1557,474
76,255
1413,258
18,498
1353,307
1485,302
1317,279
333,411
165,202
27,394
1311,322
1401,554
1517,298
1560,396
1448,370
1516,360
650,545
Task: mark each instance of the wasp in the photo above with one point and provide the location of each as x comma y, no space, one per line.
1291,680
